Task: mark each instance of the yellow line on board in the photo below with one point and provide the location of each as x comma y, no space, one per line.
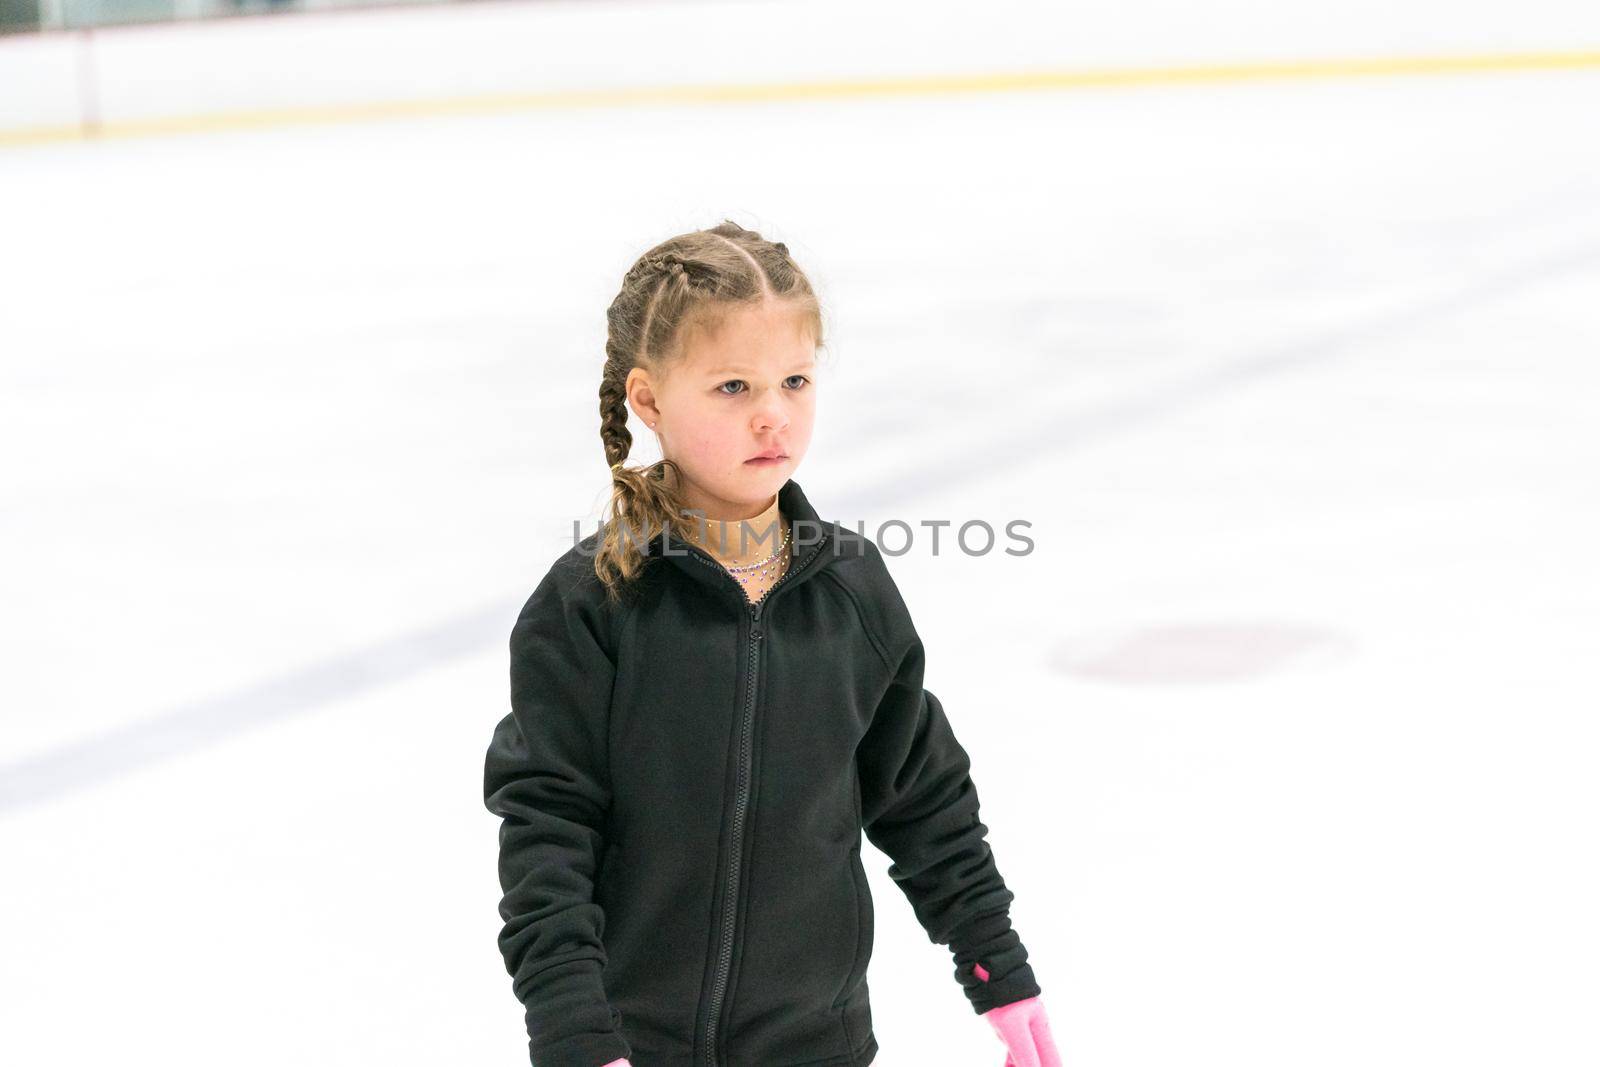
1022,81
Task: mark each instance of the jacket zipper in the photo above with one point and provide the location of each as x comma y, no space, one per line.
719,982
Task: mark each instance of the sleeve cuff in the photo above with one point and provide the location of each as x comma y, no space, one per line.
990,941
582,1050
570,1022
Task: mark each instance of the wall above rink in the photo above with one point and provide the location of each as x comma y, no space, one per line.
369,64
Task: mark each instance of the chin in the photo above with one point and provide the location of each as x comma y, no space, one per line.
762,481
775,473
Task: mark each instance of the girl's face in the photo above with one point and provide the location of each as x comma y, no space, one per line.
742,392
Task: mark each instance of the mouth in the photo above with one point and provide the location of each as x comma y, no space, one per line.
767,459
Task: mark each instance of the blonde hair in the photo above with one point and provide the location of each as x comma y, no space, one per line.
691,279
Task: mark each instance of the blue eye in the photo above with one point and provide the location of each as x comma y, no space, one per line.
804,381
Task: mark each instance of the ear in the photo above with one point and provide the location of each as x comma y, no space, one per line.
641,394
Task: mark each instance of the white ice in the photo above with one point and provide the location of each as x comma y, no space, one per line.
1285,731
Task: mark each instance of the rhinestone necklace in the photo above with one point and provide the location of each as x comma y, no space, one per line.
762,569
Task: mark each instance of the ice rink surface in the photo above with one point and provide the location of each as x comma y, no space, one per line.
1285,730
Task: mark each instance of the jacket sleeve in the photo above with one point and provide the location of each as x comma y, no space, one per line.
920,807
544,775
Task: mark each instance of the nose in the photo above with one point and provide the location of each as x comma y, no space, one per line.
769,415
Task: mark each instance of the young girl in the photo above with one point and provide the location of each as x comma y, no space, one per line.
712,697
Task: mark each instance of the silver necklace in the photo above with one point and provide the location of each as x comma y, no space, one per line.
761,569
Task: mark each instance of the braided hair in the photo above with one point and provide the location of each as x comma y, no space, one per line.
692,278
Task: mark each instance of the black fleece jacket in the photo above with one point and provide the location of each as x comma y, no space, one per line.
683,781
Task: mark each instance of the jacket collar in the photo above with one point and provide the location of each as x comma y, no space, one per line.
816,543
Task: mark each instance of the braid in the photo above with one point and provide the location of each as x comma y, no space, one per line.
689,279
614,433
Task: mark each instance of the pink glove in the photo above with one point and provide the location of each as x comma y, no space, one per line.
1023,1028
617,1063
